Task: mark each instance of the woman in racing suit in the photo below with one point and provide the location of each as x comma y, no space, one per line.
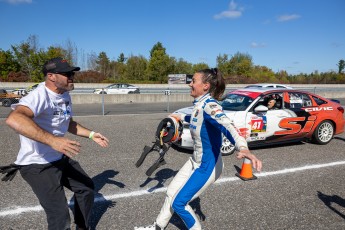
207,123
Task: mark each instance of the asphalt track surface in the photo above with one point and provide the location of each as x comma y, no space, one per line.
301,185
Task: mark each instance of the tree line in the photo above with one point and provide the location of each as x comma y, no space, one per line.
23,63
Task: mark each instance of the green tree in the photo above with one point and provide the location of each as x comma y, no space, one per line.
282,76
135,68
180,66
159,64
224,65
241,64
157,46
261,74
53,52
183,66
23,53
103,64
341,66
31,58
121,58
7,64
199,66
118,70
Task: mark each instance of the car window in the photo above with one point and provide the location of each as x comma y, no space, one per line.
278,98
299,100
234,102
319,101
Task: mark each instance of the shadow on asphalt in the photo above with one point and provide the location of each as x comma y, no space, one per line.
339,138
101,205
331,201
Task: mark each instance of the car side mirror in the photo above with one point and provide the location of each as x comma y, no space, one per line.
260,109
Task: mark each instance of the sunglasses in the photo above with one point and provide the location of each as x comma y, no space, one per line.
68,75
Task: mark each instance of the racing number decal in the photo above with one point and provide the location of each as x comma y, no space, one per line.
258,124
292,127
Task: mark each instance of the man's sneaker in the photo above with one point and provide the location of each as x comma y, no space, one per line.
150,227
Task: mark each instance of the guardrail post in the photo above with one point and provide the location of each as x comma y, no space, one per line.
168,92
103,102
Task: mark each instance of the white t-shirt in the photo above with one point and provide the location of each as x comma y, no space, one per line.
52,112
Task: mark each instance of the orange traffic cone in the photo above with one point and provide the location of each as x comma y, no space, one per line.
246,171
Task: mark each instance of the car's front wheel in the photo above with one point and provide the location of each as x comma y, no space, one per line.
227,147
323,133
6,103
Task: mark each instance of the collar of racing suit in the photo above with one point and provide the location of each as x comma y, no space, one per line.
200,98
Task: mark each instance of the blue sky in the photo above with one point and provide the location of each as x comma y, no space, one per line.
299,36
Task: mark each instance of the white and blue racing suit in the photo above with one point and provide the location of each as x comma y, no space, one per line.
207,123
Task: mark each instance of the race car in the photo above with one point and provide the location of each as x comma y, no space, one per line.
296,116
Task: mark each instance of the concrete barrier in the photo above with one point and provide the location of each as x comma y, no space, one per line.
128,98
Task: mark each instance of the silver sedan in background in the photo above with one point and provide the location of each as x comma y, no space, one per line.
118,88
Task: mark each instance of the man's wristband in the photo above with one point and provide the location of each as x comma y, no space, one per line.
91,135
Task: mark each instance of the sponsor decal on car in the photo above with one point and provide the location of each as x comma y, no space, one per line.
292,127
258,124
244,132
317,109
257,138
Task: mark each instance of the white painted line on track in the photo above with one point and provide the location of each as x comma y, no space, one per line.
10,211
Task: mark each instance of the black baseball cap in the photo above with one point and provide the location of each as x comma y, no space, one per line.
58,65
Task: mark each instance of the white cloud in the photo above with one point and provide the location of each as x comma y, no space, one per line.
17,1
233,12
288,17
257,45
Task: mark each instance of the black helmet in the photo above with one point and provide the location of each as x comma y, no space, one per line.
169,130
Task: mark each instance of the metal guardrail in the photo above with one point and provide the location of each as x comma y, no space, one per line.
187,90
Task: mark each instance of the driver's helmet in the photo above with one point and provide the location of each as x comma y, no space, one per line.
169,130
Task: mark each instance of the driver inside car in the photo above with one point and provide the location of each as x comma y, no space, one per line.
271,104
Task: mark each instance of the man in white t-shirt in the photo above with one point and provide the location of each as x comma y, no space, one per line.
42,119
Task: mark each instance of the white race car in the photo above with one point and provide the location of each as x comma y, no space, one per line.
118,89
296,116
